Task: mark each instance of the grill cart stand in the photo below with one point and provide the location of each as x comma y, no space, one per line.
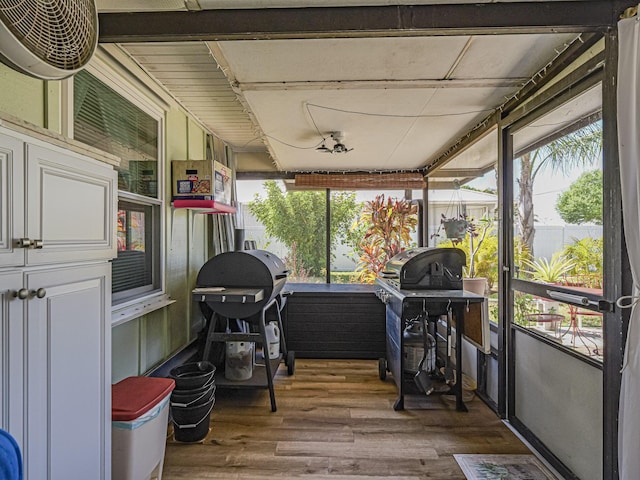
425,284
265,368
402,305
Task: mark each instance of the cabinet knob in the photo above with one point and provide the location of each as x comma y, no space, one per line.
38,244
22,294
40,293
24,242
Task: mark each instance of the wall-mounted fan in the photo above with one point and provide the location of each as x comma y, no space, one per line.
50,39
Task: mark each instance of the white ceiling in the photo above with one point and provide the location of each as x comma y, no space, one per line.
191,75
400,101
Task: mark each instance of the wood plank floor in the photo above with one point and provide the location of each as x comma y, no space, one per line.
335,421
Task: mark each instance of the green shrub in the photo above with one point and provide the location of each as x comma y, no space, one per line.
344,277
586,255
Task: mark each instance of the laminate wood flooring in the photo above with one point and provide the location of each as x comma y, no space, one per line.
335,421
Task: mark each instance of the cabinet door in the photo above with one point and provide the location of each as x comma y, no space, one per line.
11,201
12,341
70,203
69,374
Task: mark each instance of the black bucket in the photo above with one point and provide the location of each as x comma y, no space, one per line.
188,398
191,423
193,375
191,391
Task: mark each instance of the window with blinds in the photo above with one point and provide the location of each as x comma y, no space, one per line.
106,120
133,269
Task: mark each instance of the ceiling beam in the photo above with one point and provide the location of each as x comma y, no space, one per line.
383,84
459,172
448,185
262,175
336,22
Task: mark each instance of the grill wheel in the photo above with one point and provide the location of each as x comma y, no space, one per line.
382,368
291,362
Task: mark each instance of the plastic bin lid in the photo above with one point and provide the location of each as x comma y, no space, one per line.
135,396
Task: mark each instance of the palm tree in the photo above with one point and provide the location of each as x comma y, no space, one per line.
579,148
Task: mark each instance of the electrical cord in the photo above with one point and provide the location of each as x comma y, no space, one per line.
355,112
624,302
391,115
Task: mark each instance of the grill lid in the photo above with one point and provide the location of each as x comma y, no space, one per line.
245,281
426,268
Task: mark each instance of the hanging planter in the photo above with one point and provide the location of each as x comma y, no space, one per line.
455,224
455,228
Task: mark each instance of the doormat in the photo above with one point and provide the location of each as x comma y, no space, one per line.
499,467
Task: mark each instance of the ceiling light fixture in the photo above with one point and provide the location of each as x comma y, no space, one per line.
338,147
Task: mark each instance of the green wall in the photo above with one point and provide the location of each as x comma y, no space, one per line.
164,332
23,96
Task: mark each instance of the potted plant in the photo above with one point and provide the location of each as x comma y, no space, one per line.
478,232
471,240
455,227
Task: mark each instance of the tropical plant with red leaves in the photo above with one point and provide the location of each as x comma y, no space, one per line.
391,222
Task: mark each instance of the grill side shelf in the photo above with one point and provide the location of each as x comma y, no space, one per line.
229,295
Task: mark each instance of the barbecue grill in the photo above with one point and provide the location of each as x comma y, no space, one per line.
246,281
424,285
235,290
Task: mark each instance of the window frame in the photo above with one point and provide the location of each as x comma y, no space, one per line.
143,291
535,288
328,218
135,302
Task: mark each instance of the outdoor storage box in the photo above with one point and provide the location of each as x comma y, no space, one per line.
140,415
201,180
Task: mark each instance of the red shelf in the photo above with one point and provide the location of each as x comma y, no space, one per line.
204,206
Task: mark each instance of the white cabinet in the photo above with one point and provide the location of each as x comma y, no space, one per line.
55,205
68,392
11,200
55,383
55,307
12,363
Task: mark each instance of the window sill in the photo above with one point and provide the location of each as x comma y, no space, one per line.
124,314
